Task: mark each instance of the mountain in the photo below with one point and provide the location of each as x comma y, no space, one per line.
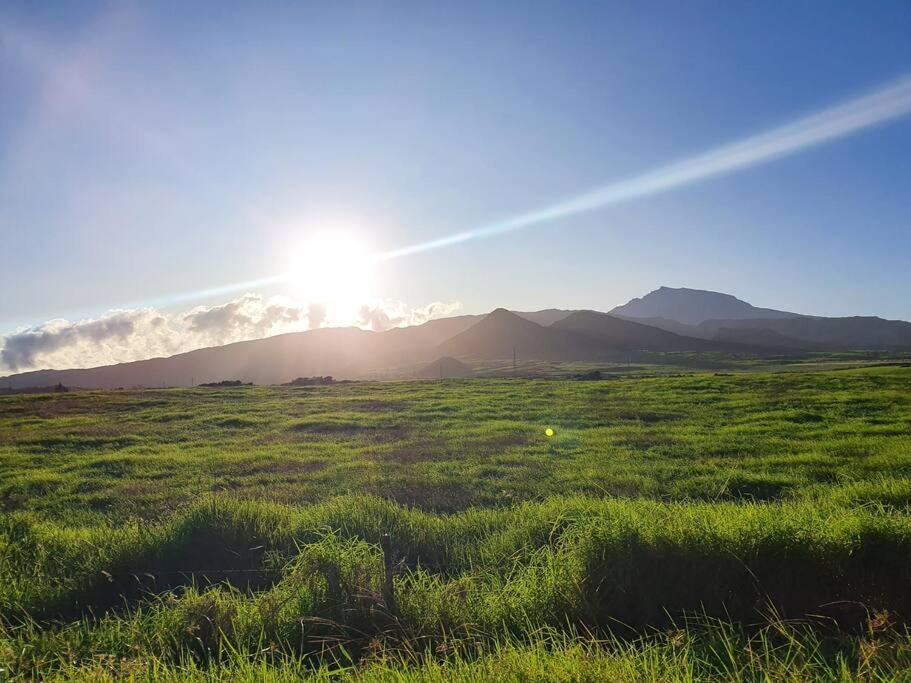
581,335
677,322
502,332
726,319
693,306
354,353
618,333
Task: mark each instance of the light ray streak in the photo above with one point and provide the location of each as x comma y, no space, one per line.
877,107
215,291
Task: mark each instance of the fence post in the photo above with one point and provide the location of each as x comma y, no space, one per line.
334,584
389,566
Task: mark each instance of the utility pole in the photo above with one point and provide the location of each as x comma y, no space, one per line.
192,381
441,369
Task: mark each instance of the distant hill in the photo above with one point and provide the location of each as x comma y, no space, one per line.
443,368
617,333
582,335
760,337
501,331
693,306
418,340
806,333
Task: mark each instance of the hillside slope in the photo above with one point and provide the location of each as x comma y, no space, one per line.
858,332
443,368
340,351
502,332
620,334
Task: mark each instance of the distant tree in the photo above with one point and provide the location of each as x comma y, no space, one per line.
310,381
227,383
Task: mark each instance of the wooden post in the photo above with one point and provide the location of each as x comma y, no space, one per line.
334,584
389,566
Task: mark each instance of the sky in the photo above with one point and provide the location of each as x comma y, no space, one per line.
181,174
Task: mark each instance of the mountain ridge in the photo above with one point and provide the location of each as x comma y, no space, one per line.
694,306
548,334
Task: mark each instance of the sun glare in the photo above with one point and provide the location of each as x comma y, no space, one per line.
334,269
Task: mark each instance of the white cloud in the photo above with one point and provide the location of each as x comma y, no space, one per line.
384,315
135,334
246,317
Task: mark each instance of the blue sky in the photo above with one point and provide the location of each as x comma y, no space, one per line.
152,150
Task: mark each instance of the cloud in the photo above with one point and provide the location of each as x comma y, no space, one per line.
438,309
376,318
24,348
135,334
127,335
316,315
387,314
247,317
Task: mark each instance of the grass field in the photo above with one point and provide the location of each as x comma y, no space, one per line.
746,525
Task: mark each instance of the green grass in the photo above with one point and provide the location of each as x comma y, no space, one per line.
447,446
711,651
309,580
751,526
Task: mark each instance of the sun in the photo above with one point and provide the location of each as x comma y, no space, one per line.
332,268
